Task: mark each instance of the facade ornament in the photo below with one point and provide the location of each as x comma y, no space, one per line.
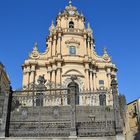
34,54
105,56
89,28
73,78
82,14
70,2
72,40
52,27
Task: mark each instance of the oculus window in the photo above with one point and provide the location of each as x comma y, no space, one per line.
72,50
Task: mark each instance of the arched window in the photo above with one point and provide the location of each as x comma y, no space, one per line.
72,50
102,99
76,94
71,24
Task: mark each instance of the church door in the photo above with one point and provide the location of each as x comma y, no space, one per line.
76,94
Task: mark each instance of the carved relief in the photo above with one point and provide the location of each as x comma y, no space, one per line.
34,54
72,40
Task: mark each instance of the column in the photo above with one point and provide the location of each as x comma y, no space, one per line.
50,47
49,73
85,45
91,81
53,73
58,74
32,74
94,80
87,77
59,44
28,75
24,80
54,46
109,78
89,47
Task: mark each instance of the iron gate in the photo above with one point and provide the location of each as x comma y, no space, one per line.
41,112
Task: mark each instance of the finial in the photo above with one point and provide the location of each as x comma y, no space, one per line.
105,50
82,14
89,26
35,46
52,23
70,2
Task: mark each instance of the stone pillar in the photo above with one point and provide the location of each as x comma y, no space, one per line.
25,77
58,76
91,81
58,73
91,47
72,91
109,78
89,54
50,47
54,74
59,45
85,45
116,106
94,80
49,73
28,75
32,74
54,46
87,77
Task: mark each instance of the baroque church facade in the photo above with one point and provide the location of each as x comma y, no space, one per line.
70,50
68,92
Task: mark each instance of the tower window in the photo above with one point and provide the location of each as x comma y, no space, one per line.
72,50
101,82
71,24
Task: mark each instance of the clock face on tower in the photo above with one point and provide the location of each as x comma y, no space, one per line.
71,12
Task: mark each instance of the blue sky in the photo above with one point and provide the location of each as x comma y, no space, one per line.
116,25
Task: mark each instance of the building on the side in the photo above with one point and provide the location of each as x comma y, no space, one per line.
4,95
4,79
133,119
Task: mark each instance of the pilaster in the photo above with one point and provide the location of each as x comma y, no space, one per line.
85,45
25,76
88,40
54,46
50,46
87,76
32,74
59,44
94,80
109,77
91,81
28,75
58,73
53,73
